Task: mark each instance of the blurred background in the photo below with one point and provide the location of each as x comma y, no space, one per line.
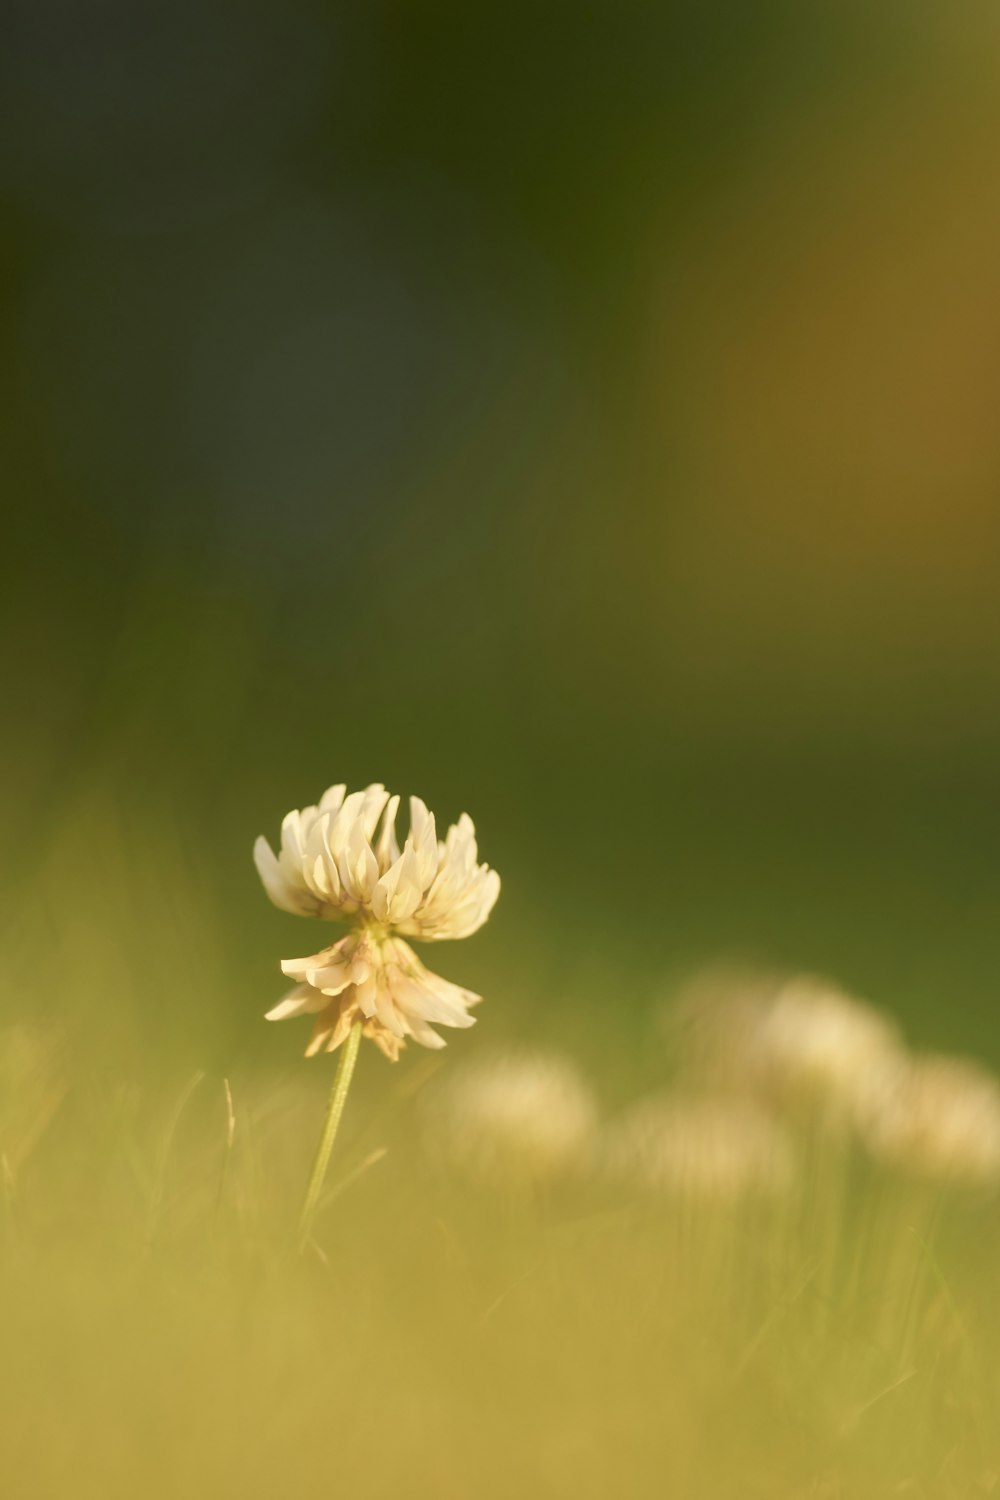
584,416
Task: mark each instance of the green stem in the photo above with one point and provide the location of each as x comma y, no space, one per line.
338,1097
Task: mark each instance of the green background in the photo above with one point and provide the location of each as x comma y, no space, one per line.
581,415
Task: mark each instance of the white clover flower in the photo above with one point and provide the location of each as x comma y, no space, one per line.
527,1117
817,1043
795,1042
712,1026
341,860
937,1117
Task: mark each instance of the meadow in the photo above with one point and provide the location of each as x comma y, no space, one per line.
582,417
740,1252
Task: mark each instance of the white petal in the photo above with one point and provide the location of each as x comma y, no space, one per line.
375,798
418,1001
358,866
364,995
332,980
318,864
291,834
342,823
420,817
387,849
320,881
455,993
427,864
280,890
423,1034
398,893
298,968
385,1010
302,1001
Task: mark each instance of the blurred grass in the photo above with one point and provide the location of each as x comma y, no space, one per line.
449,1337
584,419
446,1336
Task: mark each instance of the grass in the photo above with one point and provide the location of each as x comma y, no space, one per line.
458,1326
451,1335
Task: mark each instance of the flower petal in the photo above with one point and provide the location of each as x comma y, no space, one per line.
302,1001
281,891
423,1034
398,893
387,849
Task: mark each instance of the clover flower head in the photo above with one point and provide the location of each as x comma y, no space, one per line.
514,1117
713,1023
341,860
819,1044
936,1117
796,1042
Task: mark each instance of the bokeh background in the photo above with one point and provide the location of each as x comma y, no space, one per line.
585,416
580,415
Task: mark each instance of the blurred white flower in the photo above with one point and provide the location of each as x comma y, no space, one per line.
935,1116
818,1044
514,1117
796,1041
703,1146
341,860
713,1023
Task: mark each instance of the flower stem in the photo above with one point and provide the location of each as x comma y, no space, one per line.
338,1097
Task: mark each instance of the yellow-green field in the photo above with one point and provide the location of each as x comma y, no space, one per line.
583,417
676,1266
